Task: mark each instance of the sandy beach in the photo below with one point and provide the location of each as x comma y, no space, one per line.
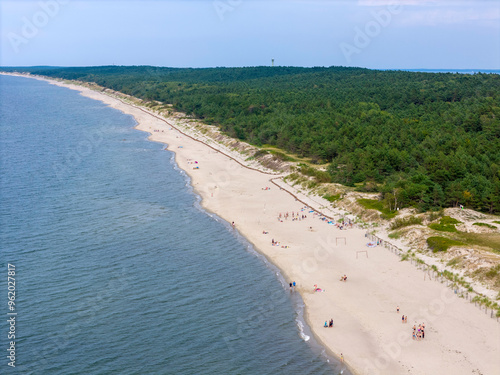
368,331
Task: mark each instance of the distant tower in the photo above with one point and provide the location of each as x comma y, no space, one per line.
272,62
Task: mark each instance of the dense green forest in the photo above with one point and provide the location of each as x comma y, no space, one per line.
428,140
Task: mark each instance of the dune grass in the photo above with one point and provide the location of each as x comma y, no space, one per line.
395,235
442,243
485,225
404,222
489,241
331,197
446,224
373,204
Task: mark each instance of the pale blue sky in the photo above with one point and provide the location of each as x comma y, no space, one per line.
383,34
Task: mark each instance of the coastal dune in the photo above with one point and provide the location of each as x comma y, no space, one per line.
368,331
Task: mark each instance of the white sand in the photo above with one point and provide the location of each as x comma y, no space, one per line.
459,338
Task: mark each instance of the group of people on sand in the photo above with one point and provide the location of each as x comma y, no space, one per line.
292,286
276,243
419,333
295,216
298,216
328,324
190,161
317,289
341,226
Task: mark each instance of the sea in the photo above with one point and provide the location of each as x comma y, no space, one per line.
458,71
115,267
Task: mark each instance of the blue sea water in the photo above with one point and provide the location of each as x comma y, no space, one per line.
117,268
459,71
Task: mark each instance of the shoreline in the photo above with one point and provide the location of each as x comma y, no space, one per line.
317,346
367,330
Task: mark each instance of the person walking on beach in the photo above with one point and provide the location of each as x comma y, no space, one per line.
403,319
294,285
290,287
397,309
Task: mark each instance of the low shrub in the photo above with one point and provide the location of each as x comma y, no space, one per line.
311,184
373,204
443,228
395,235
485,225
282,156
331,197
441,243
292,176
400,223
446,224
260,153
434,215
320,176
492,272
446,220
